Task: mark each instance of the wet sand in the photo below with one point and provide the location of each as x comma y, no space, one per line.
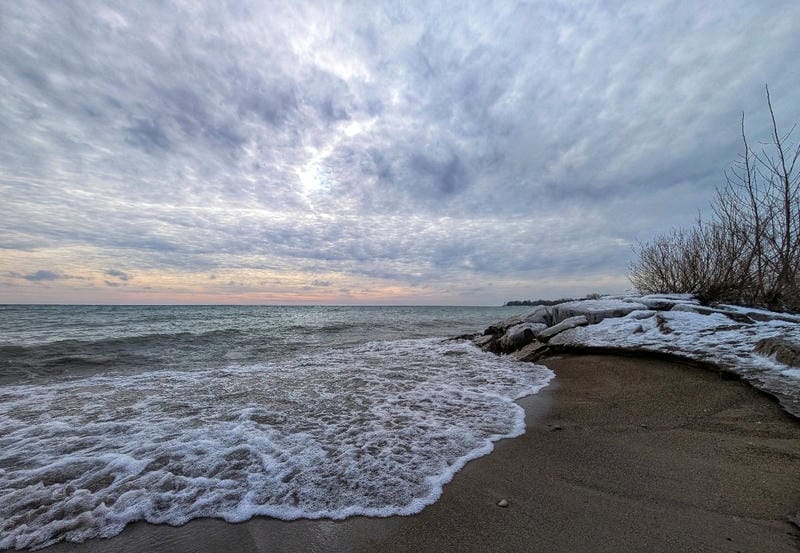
620,454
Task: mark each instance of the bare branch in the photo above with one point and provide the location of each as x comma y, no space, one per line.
749,252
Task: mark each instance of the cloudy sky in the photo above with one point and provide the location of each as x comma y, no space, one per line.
367,152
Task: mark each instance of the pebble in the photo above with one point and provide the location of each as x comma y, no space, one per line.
502,503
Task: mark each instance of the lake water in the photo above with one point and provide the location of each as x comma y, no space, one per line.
111,414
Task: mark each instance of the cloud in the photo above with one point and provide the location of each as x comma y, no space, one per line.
147,135
436,146
39,276
118,274
43,276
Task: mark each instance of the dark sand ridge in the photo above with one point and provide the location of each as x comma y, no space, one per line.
621,454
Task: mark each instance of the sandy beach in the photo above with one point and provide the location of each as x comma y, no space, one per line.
621,454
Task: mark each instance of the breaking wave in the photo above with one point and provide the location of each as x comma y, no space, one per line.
374,430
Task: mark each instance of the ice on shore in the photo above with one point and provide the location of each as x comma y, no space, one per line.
761,346
594,310
726,336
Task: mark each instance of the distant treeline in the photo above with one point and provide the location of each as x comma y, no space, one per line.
534,302
548,302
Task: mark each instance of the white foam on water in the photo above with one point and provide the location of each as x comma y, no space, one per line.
375,430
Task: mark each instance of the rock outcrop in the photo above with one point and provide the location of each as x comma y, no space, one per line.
595,310
732,339
543,322
528,334
519,335
566,324
703,310
662,302
540,314
783,350
531,352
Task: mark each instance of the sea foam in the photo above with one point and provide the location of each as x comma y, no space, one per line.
372,430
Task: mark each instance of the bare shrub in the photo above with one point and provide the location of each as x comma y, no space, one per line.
750,252
702,260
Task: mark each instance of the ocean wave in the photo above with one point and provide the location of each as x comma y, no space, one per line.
330,327
136,339
143,350
373,430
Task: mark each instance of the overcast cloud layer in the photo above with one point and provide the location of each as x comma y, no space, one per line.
367,152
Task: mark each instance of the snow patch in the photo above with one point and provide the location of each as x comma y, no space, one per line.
713,337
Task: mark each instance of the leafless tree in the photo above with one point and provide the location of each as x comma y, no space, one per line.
750,252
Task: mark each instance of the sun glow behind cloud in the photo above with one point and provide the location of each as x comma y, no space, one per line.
378,153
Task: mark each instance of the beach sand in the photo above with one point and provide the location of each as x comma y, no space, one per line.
621,454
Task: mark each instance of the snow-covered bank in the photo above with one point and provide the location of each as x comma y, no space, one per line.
761,346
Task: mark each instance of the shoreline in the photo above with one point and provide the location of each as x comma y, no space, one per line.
619,453
724,373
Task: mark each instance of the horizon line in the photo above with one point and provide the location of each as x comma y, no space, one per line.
251,305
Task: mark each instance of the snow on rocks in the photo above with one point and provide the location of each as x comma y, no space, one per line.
759,314
703,310
500,327
715,338
782,349
594,310
544,322
566,324
760,346
665,301
541,314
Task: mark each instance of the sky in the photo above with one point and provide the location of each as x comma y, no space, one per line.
368,152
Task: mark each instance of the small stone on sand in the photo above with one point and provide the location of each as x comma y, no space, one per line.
502,503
